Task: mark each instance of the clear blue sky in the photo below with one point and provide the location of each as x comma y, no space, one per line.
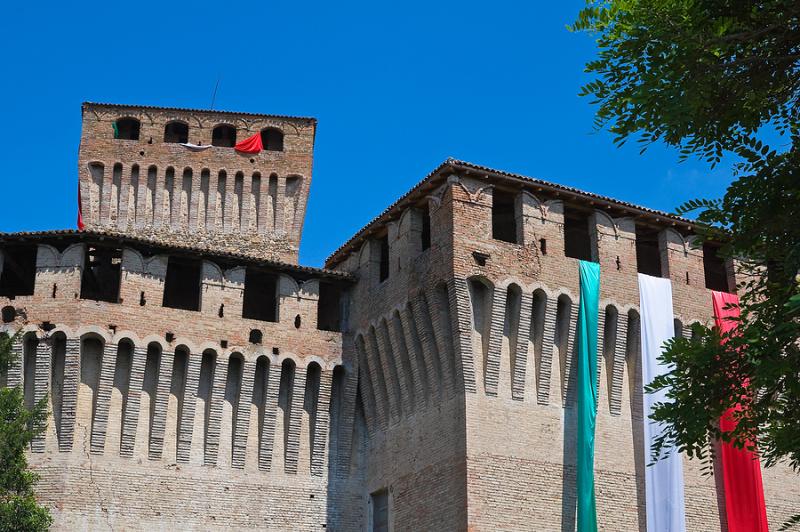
397,88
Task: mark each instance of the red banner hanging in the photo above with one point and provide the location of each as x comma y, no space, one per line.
741,470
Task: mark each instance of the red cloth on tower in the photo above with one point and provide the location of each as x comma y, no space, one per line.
741,470
250,144
80,208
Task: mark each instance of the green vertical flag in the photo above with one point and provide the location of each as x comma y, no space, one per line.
587,393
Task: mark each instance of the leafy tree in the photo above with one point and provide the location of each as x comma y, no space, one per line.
714,78
18,426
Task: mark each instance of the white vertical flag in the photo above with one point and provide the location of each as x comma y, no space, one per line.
664,478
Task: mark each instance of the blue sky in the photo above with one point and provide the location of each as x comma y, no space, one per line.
396,87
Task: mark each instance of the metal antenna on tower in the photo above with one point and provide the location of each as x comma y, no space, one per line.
214,96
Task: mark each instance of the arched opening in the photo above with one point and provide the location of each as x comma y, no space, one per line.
561,342
536,345
678,326
57,381
285,402
609,349
90,364
202,418
176,132
119,395
175,402
223,136
480,295
310,404
147,400
255,434
508,350
127,129
272,139
29,369
230,408
335,408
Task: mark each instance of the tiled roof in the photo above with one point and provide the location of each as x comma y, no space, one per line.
454,166
185,109
206,251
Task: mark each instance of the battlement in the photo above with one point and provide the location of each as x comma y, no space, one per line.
173,174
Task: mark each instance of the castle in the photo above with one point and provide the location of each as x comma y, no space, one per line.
200,378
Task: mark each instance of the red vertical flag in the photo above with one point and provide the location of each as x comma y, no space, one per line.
741,470
80,209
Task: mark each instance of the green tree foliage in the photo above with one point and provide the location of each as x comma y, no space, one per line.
713,78
18,426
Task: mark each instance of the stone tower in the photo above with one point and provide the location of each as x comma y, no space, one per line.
174,175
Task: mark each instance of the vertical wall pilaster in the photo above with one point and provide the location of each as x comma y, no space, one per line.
186,422
270,410
14,377
498,316
243,415
161,402
521,351
292,450
131,417
548,350
103,401
458,292
322,421
69,393
41,383
215,412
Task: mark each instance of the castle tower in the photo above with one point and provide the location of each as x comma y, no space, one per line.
173,175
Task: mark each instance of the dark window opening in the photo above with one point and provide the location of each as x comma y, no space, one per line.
176,132
380,511
504,220
577,238
329,314
182,284
223,136
260,295
255,336
543,246
19,271
715,271
648,254
426,229
272,139
383,270
102,270
9,314
126,129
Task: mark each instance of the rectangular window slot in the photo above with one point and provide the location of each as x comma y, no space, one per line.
329,314
260,295
182,284
648,254
577,238
426,228
102,270
19,271
716,273
380,511
504,219
383,272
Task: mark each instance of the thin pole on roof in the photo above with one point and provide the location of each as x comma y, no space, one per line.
214,95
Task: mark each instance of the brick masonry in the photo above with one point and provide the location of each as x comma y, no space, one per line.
451,385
